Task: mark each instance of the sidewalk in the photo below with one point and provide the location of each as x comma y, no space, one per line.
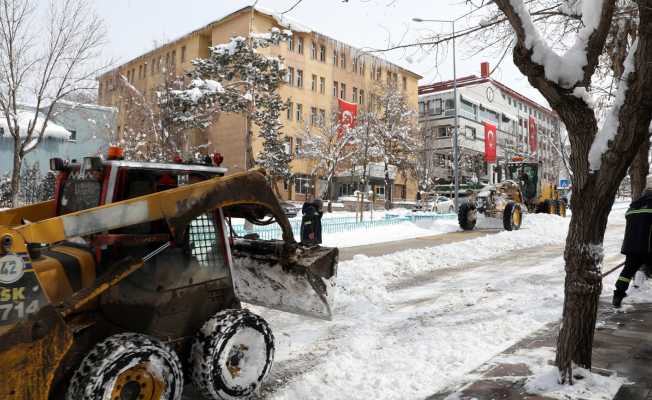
623,344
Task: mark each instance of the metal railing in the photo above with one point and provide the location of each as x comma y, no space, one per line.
340,225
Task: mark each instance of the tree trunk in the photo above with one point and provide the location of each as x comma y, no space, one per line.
15,174
583,285
639,169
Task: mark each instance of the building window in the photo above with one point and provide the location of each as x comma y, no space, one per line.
290,110
290,43
298,147
290,77
355,95
335,57
300,45
443,132
361,96
173,58
313,50
183,54
289,145
343,60
354,63
73,134
313,83
322,116
404,88
363,68
422,108
343,91
167,59
322,53
322,85
299,112
313,116
301,184
299,78
470,132
140,72
380,191
335,88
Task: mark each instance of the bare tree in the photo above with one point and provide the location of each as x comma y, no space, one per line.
393,134
152,131
328,145
43,66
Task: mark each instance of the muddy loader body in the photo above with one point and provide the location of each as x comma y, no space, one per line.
131,280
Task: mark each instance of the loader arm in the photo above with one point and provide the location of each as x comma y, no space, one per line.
32,212
177,206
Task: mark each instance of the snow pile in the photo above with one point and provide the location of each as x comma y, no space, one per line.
610,128
25,118
566,70
544,380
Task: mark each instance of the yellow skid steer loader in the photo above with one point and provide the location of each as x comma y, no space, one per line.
131,279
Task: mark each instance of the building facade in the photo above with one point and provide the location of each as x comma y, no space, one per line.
483,99
74,130
319,71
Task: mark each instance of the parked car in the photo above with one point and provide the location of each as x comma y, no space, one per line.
443,205
290,209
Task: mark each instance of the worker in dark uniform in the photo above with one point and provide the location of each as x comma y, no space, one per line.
636,245
311,222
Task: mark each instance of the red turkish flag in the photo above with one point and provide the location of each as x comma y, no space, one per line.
489,142
347,115
532,130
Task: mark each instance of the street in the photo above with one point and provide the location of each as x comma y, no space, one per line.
410,335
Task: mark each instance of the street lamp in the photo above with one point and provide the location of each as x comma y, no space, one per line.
456,150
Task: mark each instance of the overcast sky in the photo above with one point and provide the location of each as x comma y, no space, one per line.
135,25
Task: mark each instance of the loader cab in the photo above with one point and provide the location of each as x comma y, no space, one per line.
527,174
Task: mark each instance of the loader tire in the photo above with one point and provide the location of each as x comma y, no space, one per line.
512,217
128,366
231,355
467,216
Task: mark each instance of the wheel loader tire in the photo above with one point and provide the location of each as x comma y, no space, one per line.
128,366
467,216
231,355
512,217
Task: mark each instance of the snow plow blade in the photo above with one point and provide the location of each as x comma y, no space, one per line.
303,283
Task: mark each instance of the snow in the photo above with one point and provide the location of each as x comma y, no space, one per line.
405,230
285,21
610,128
545,379
24,118
414,322
199,88
229,48
566,70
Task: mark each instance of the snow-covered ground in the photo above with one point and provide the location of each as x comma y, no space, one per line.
411,323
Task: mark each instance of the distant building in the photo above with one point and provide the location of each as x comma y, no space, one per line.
483,99
320,70
74,130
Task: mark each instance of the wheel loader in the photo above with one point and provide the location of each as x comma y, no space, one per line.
502,202
541,196
129,284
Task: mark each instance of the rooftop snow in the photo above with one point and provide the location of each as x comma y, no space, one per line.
52,130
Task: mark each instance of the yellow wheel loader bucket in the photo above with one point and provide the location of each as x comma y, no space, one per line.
30,352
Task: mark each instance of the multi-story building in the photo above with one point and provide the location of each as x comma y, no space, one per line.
483,99
319,71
